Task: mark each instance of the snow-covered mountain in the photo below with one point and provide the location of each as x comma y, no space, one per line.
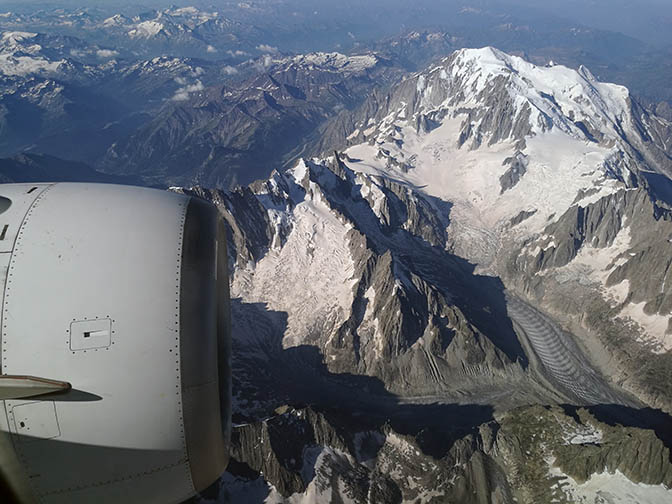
28,60
25,54
186,27
498,136
513,147
183,31
462,246
484,158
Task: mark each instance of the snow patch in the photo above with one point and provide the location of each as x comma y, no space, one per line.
584,434
610,488
146,29
335,61
654,327
314,262
353,135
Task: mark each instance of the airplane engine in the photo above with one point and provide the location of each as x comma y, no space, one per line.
115,344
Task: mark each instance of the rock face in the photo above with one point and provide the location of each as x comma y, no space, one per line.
373,288
529,455
604,267
517,168
646,257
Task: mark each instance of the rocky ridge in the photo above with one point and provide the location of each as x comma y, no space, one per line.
528,455
222,135
399,307
602,270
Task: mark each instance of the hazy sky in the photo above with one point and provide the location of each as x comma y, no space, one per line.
648,20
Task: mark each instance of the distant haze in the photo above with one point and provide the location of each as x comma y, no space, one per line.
647,20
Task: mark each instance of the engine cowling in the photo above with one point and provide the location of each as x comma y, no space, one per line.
120,295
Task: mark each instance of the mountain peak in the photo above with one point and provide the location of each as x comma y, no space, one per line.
554,80
335,61
503,89
510,144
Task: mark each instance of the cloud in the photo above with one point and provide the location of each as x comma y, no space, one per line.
211,49
229,70
262,63
267,49
76,53
106,53
183,93
237,53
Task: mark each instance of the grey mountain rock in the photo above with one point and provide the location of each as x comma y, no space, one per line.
524,214
517,168
635,234
644,264
527,455
430,340
225,135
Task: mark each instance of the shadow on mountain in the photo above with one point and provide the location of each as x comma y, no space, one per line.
659,187
420,247
299,376
484,304
367,398
347,403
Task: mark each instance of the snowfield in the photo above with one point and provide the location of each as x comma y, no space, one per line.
316,245
606,488
572,155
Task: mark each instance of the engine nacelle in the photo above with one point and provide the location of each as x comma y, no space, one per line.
116,298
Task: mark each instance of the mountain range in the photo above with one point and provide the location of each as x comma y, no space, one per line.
113,89
449,266
488,235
